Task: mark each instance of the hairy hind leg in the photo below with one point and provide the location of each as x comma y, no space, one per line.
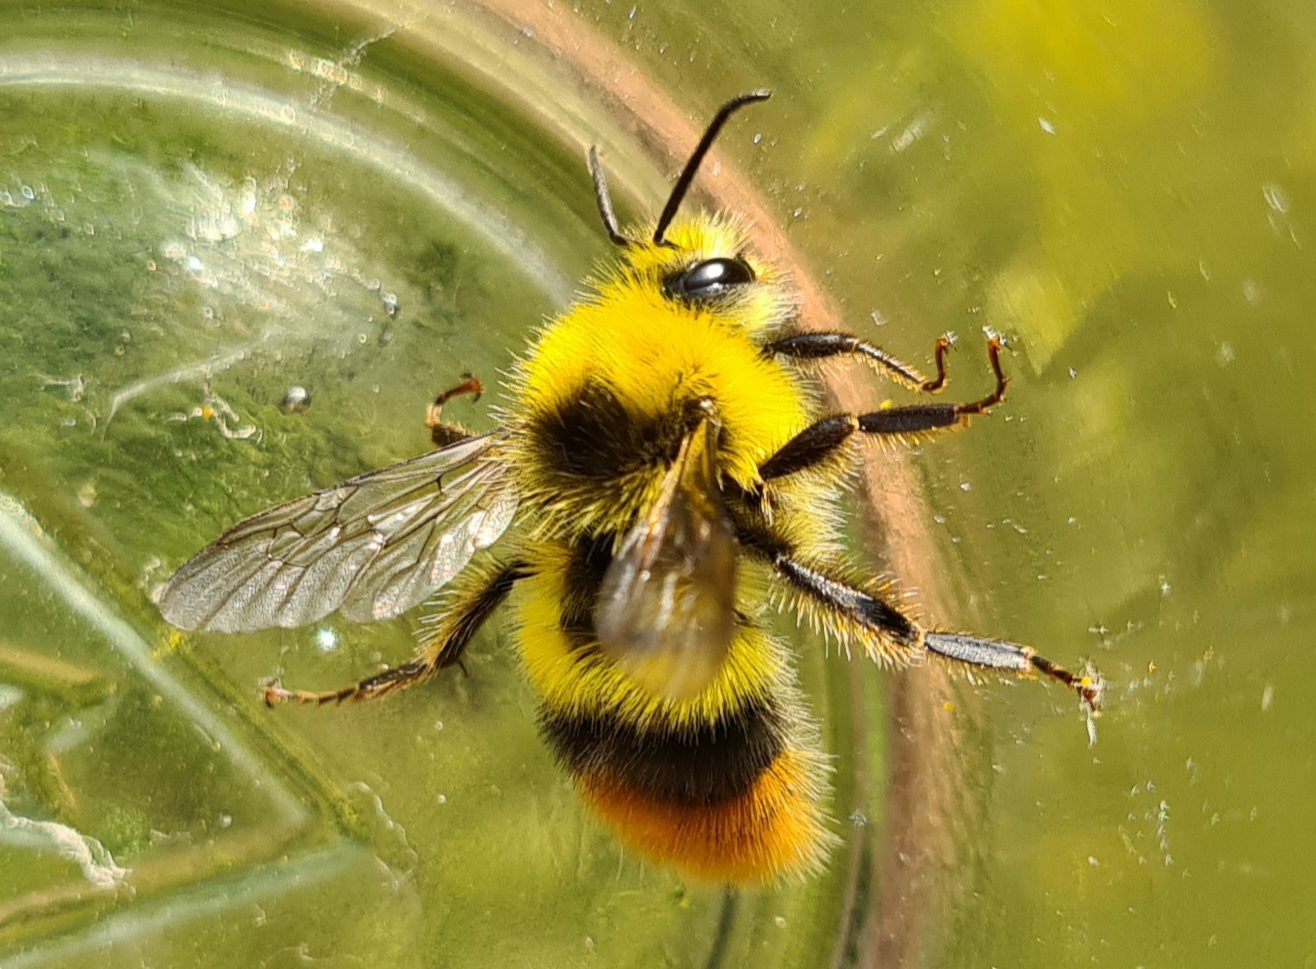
863,616
441,647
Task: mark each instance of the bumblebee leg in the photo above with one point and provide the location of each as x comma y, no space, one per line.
997,655
820,346
442,646
820,440
444,434
888,635
851,614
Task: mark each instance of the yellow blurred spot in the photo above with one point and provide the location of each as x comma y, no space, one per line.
1068,60
1151,667
948,706
1081,83
1039,304
207,412
170,644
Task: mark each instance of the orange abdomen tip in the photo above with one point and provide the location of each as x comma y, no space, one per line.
773,829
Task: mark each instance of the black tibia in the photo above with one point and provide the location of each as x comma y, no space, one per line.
820,346
994,654
810,446
855,604
820,440
444,434
909,420
459,626
455,630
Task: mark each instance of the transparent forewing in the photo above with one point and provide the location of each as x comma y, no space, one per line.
667,612
371,547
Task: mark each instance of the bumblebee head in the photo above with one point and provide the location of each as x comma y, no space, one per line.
698,262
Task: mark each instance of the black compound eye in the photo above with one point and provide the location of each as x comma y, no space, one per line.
708,280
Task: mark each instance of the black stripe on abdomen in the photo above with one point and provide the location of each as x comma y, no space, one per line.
684,765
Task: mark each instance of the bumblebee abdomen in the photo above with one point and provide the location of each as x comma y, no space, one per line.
774,829
687,766
728,785
734,800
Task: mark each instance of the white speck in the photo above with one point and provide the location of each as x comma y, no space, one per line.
1267,697
1275,197
193,264
965,486
912,133
1165,586
1046,126
1072,373
326,640
1251,291
1093,862
1224,353
779,922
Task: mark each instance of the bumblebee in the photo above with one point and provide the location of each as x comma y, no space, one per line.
663,475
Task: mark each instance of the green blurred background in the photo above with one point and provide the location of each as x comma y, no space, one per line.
204,205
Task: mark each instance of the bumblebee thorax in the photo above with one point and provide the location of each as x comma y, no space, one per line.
604,397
